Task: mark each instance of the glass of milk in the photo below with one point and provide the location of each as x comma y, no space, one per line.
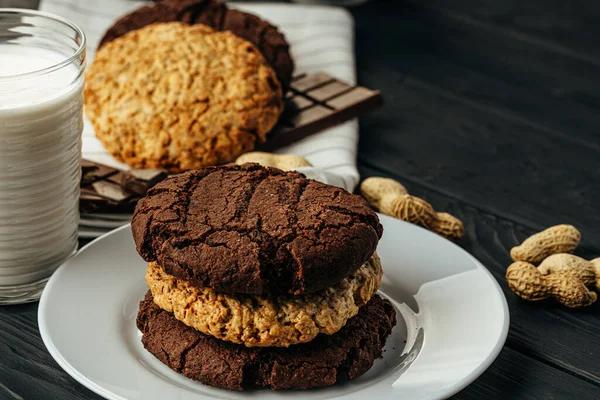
42,61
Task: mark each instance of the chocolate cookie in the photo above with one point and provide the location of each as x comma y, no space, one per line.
217,15
348,354
254,230
180,97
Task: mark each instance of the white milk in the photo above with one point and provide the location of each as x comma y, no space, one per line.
40,147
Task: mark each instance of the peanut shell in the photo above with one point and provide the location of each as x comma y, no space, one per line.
284,162
556,239
527,282
578,267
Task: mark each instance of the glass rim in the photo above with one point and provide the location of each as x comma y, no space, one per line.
53,17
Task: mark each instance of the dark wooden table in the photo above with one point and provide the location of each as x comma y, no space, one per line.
493,114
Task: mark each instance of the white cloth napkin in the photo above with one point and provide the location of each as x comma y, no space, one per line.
321,39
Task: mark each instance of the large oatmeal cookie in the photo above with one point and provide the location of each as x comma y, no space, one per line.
180,97
265,321
324,361
254,230
217,15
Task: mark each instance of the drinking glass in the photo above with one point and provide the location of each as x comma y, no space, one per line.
42,61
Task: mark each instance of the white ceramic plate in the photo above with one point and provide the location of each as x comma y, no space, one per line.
452,323
85,232
93,225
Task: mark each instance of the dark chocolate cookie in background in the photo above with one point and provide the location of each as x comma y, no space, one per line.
326,360
254,230
217,15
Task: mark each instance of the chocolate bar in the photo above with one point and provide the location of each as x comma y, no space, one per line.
104,188
316,102
139,181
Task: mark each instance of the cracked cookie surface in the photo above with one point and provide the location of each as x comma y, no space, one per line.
265,321
327,359
180,97
217,15
254,230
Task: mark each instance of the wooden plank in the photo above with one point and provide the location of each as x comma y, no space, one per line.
528,63
553,90
565,339
568,27
552,116
515,376
509,168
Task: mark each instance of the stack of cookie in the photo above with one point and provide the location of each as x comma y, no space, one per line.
260,278
182,84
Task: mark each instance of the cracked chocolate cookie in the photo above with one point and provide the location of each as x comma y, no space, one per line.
327,359
180,97
254,230
218,16
265,320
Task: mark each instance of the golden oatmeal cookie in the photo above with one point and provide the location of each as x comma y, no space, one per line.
265,321
180,97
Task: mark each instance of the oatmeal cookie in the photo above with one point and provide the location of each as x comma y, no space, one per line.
217,15
254,230
327,359
180,97
265,320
